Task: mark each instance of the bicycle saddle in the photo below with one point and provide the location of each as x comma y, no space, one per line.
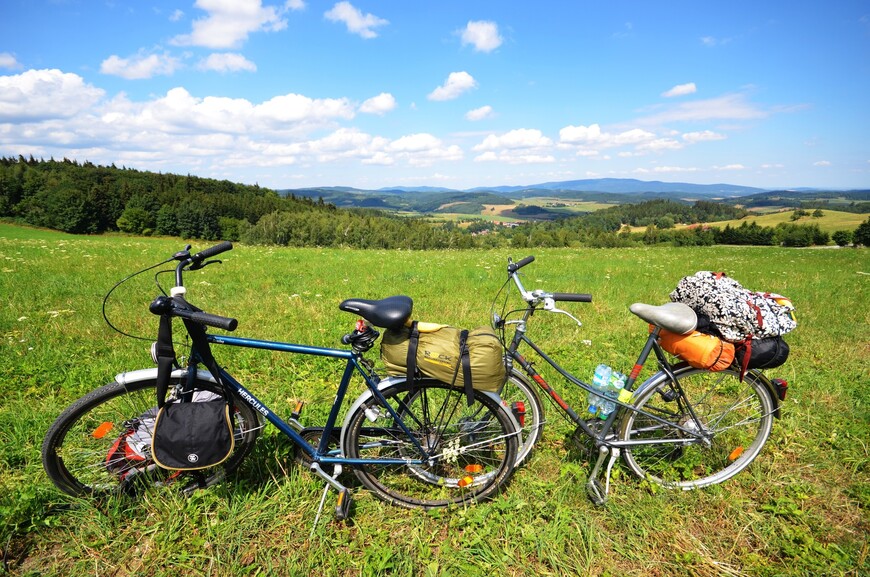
676,317
389,313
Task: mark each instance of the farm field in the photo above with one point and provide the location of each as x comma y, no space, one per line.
831,221
801,509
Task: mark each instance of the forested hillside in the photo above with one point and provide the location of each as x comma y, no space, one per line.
89,199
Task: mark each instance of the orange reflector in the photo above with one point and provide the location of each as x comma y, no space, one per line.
466,481
473,468
101,431
735,454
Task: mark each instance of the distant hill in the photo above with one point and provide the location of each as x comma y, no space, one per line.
609,191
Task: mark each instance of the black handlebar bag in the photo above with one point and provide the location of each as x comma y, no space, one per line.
189,433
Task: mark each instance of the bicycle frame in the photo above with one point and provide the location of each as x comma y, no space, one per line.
651,345
353,364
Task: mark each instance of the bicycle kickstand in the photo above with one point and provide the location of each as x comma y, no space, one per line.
598,493
342,509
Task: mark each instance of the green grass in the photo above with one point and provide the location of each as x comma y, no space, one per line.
830,221
800,509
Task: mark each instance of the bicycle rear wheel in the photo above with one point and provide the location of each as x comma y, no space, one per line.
101,443
471,449
733,417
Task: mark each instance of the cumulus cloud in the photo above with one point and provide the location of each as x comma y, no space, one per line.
294,5
822,163
356,21
481,34
479,113
8,61
176,15
45,94
681,90
140,66
380,104
227,62
592,135
454,86
51,113
229,22
520,146
519,138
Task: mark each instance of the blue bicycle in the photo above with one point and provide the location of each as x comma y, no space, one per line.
418,444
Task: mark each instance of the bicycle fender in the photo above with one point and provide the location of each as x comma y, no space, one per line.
148,374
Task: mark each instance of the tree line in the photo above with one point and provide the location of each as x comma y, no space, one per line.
84,198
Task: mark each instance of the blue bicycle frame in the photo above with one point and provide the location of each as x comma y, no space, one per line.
353,364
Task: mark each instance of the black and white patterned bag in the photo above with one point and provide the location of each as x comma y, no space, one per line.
738,313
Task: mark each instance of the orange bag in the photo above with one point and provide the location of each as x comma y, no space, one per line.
700,350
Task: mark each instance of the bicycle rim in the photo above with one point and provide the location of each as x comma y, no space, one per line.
735,418
519,396
472,449
76,450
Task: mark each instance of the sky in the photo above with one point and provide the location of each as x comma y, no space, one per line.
446,93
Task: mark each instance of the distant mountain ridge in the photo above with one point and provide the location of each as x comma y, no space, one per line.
591,185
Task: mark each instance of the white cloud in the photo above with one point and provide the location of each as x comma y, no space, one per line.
727,107
454,86
482,34
356,21
294,5
479,113
176,15
593,136
822,163
8,61
229,22
227,62
681,90
659,144
515,139
38,95
380,104
140,66
669,169
702,136
729,167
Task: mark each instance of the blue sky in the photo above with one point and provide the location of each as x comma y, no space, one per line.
447,93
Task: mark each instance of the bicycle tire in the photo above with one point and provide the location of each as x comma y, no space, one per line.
736,416
74,453
474,447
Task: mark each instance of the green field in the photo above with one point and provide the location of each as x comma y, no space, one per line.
830,221
800,510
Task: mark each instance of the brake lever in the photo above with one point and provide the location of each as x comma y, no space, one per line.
204,264
550,306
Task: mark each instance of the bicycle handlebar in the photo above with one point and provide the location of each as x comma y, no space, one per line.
573,297
515,266
211,251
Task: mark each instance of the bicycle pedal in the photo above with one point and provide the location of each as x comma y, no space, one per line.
597,493
342,509
297,410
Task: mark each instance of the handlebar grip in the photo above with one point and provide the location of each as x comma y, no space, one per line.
515,266
573,297
216,321
212,251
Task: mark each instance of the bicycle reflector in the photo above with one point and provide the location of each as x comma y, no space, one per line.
474,468
781,387
518,408
464,482
101,431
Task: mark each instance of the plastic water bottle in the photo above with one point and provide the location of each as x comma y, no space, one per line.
614,388
599,383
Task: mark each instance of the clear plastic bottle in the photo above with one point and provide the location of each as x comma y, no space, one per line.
614,388
599,383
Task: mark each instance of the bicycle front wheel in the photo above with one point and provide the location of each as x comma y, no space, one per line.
101,444
470,451
725,423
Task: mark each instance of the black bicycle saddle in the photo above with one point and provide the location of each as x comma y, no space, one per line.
389,313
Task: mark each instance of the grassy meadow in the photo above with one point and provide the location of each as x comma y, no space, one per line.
802,509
